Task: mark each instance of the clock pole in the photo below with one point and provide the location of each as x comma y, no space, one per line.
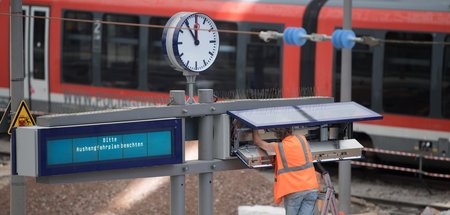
190,81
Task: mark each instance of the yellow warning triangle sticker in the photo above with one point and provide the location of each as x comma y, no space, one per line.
22,118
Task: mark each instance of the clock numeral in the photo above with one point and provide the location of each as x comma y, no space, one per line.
179,43
187,63
212,41
211,53
204,62
204,21
181,54
195,64
181,31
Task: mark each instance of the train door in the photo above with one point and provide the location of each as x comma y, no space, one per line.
37,57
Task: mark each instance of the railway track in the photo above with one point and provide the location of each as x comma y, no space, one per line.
392,192
394,177
406,204
400,204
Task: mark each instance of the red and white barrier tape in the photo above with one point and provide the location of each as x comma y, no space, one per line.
407,154
397,168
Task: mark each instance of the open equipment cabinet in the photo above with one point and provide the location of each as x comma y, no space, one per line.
327,127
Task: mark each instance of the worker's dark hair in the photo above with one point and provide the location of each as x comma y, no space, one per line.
282,133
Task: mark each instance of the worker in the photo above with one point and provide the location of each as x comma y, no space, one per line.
295,177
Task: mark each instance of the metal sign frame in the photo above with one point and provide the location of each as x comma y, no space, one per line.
44,135
201,110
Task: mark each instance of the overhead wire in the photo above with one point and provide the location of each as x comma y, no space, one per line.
374,40
415,42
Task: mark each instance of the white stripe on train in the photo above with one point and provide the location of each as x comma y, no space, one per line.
391,131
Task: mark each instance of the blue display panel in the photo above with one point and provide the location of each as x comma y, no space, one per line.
97,147
304,115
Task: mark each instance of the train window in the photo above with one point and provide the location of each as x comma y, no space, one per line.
446,82
406,76
222,74
77,49
39,46
263,64
160,73
362,59
120,44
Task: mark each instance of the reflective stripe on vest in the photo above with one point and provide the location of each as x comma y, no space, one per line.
294,168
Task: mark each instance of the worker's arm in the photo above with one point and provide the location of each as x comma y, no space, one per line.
269,147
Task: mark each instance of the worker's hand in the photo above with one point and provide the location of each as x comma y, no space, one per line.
255,134
256,137
261,143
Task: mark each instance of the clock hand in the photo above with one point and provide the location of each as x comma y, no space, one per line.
196,27
196,42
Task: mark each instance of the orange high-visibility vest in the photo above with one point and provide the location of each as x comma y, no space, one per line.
294,170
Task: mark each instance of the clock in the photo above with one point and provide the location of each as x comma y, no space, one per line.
190,41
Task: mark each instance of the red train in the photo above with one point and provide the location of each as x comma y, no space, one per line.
72,65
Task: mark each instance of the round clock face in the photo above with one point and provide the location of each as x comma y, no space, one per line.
191,41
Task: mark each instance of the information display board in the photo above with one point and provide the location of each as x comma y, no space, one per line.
304,115
63,150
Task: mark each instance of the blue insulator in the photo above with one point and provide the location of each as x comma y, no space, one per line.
295,36
347,39
335,39
287,35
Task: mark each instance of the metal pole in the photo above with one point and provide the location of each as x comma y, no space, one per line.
18,183
346,95
177,188
177,191
205,152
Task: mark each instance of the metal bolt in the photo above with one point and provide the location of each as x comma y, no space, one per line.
184,111
213,108
185,169
213,166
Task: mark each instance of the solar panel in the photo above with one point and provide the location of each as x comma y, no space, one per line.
304,115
